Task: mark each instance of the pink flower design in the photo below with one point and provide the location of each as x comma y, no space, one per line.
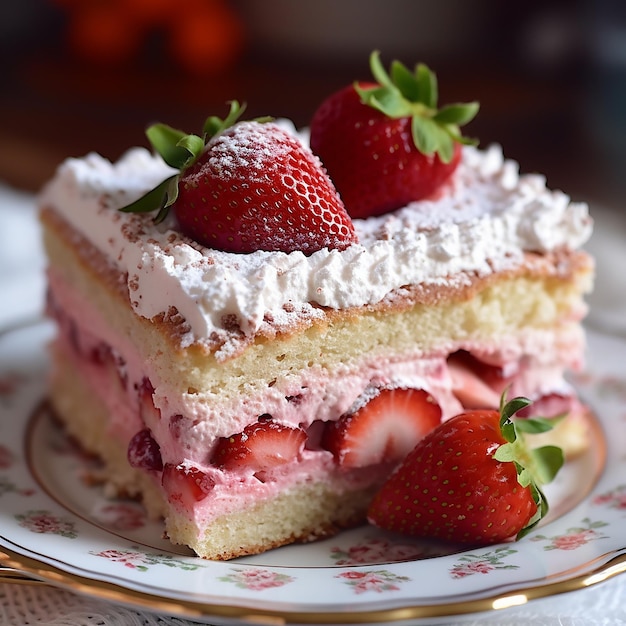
122,516
138,560
614,499
469,564
133,560
377,550
574,540
45,522
378,581
604,498
256,579
374,583
575,537
353,575
461,570
261,579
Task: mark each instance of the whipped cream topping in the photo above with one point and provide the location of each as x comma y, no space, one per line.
482,222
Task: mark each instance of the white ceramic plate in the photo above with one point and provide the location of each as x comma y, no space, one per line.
56,528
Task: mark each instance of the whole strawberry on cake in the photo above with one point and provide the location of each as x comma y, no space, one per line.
255,329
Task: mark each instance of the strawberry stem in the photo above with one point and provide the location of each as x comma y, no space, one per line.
180,151
214,125
535,467
402,93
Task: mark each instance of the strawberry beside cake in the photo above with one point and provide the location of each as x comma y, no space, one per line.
252,336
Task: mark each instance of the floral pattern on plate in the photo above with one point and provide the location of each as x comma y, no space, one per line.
50,516
45,522
483,563
141,560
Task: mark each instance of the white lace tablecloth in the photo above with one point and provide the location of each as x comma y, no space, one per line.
604,605
21,296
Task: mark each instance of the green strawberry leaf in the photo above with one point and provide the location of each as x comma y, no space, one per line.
180,151
509,433
388,101
171,195
429,138
428,86
406,82
534,467
509,408
458,114
537,425
546,462
506,453
165,140
194,146
542,510
214,125
151,200
379,72
507,411
446,148
402,93
426,134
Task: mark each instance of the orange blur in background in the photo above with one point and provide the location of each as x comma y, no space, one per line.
83,75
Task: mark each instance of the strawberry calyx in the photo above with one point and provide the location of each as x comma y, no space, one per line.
180,151
402,93
535,466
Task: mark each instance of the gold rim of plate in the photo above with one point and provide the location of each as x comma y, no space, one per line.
614,564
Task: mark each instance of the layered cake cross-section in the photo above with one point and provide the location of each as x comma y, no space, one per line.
257,396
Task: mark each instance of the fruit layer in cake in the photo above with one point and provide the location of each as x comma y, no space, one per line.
254,357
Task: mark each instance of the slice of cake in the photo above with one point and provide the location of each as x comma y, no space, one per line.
254,362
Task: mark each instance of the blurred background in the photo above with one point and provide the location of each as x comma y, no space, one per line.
83,75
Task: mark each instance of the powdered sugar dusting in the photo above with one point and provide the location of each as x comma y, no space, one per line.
483,221
241,146
257,187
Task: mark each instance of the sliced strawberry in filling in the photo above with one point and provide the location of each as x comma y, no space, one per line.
385,429
261,446
475,384
185,484
144,452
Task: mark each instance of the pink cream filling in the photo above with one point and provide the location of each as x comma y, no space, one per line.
187,430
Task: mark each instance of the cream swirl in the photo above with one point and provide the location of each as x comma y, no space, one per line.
482,222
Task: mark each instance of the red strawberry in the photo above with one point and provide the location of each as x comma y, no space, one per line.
385,144
471,480
476,385
144,451
246,187
185,484
385,429
261,446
